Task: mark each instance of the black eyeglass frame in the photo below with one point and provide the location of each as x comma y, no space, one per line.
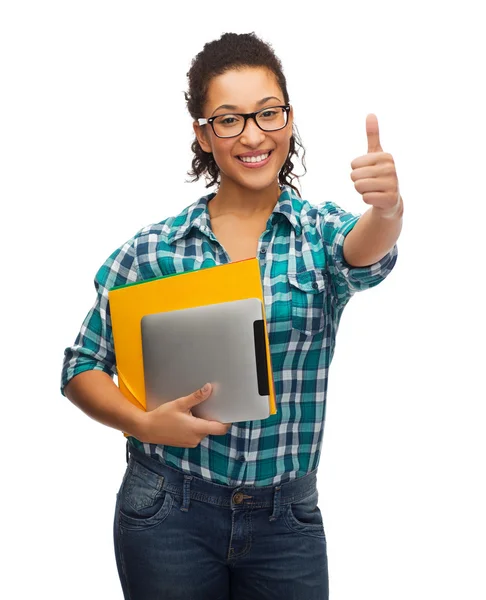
246,116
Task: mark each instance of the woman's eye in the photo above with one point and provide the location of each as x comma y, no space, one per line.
227,120
268,115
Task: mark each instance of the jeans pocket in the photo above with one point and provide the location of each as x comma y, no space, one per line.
308,289
142,501
304,516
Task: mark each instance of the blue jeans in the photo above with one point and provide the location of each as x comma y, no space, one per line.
179,537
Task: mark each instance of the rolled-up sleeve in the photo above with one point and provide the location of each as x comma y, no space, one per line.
93,348
335,224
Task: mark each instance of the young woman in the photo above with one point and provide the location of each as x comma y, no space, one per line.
215,511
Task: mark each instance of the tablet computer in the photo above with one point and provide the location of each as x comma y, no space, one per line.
223,344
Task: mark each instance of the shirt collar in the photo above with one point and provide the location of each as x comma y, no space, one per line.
288,204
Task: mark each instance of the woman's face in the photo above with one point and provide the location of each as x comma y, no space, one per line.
245,90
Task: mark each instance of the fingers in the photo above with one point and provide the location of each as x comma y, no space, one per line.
373,134
196,397
213,427
204,427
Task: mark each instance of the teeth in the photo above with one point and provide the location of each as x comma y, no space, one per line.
254,159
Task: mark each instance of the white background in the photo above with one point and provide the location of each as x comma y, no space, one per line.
95,143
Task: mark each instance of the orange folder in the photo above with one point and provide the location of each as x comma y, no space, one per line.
129,303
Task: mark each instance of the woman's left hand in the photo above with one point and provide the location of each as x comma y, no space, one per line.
374,174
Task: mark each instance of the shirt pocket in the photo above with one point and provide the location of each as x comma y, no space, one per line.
308,289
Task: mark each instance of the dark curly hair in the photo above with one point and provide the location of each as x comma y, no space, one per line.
233,50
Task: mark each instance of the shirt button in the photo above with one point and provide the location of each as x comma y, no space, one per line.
315,285
241,458
263,250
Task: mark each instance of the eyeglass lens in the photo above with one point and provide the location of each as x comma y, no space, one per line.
269,119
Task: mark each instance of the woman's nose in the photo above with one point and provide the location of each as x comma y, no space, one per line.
252,135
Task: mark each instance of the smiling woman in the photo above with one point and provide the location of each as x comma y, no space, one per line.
212,510
264,133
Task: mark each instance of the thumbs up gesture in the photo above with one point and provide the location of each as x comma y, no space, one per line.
374,174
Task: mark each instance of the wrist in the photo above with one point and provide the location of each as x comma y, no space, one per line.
138,423
396,213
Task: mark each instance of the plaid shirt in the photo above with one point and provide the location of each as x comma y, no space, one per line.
306,285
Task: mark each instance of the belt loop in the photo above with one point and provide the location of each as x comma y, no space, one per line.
186,493
127,451
276,504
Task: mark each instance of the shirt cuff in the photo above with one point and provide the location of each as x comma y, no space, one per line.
360,278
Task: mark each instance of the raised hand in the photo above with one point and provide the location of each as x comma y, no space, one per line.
374,174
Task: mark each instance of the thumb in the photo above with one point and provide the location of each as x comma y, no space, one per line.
373,134
198,396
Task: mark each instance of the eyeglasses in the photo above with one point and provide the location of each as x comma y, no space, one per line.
230,125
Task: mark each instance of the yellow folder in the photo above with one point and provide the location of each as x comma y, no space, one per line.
129,303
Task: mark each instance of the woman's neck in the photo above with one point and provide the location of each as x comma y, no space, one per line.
242,202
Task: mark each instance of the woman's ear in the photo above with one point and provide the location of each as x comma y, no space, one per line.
291,120
201,137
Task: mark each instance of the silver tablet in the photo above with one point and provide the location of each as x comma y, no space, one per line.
223,344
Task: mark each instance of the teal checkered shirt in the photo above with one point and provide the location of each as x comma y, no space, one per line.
306,284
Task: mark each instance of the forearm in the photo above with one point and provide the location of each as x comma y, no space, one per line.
373,236
95,393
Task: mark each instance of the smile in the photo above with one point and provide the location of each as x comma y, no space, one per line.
255,161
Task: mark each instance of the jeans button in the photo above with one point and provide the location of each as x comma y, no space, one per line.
238,498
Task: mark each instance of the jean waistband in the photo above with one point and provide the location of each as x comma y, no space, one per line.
244,496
